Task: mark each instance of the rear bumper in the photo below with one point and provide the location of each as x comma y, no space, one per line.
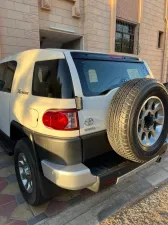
80,176
73,177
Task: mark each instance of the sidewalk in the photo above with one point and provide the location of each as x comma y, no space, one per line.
152,210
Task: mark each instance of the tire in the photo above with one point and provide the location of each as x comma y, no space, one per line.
33,195
128,129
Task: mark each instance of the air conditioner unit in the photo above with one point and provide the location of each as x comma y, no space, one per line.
46,4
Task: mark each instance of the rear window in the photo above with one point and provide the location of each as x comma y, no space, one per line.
98,77
52,79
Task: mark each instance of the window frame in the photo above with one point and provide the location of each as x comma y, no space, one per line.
122,32
5,69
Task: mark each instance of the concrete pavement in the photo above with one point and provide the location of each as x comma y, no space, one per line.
152,210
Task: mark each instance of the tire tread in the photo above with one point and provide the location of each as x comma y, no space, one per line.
118,117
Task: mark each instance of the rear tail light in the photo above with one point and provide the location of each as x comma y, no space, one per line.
109,183
61,120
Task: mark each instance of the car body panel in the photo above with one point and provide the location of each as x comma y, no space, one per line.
28,110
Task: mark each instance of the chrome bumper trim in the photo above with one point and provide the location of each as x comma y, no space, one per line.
75,177
136,170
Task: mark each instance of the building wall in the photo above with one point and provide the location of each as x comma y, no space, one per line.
61,16
97,25
0,51
21,21
152,22
128,9
19,26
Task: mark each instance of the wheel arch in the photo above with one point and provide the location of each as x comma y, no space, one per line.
18,132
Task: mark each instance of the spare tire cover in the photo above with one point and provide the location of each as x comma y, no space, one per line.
137,123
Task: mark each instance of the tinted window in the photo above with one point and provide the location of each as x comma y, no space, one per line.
7,71
97,77
52,79
2,70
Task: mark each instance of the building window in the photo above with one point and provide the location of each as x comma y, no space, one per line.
124,40
160,39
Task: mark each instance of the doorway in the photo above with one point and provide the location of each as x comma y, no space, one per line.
60,39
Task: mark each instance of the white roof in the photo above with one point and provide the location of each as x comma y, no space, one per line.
27,52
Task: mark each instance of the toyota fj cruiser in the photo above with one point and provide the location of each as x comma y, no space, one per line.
77,120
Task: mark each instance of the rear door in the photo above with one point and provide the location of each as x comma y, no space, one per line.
99,78
7,71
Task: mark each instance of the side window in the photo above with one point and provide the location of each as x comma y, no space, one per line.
2,70
7,71
52,79
9,75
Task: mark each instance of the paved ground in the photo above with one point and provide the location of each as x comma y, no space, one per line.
73,208
15,211
150,210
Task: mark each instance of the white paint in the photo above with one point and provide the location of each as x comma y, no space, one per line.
27,109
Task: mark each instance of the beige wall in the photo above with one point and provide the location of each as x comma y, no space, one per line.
20,21
61,16
128,9
152,22
19,26
97,25
0,51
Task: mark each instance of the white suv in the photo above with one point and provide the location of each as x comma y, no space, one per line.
79,120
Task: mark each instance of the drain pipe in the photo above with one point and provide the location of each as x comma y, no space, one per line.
165,44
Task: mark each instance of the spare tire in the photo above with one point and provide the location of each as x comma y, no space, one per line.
137,123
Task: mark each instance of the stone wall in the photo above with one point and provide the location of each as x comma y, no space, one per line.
60,16
97,25
128,9
19,26
152,22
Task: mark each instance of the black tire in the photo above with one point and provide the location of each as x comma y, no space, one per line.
123,116
35,197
